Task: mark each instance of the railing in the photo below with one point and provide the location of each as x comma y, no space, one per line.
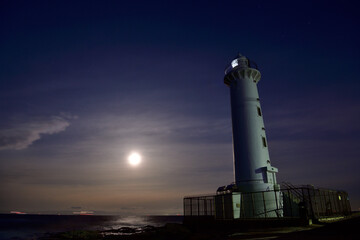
199,206
293,202
235,205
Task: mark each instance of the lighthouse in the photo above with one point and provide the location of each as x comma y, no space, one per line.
255,192
253,171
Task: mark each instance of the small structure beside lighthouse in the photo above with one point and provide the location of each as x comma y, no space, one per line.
255,192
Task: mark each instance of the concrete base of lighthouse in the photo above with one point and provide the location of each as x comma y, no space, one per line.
234,205
259,198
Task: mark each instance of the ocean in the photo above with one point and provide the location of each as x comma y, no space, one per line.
28,226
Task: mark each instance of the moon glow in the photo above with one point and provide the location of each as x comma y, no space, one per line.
134,159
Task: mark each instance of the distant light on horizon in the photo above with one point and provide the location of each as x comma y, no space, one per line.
17,212
134,159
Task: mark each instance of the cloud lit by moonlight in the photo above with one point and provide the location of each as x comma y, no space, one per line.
134,159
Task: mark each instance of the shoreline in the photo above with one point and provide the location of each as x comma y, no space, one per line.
346,228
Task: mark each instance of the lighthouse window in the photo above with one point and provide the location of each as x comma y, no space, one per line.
264,142
259,111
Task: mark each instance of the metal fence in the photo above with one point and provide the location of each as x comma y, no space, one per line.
293,202
315,203
199,206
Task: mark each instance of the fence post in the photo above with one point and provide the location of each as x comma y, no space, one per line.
343,200
331,207
310,202
303,195
190,206
205,207
184,206
323,203
315,203
289,199
213,206
252,201
263,197
242,206
277,204
198,200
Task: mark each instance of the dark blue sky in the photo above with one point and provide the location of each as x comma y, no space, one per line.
84,83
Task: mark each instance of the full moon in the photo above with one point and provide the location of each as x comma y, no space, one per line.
134,159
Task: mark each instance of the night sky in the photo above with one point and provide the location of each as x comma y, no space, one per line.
84,83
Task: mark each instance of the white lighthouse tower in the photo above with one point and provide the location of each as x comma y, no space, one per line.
255,192
252,166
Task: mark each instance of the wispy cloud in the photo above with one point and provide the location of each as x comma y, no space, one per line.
20,135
